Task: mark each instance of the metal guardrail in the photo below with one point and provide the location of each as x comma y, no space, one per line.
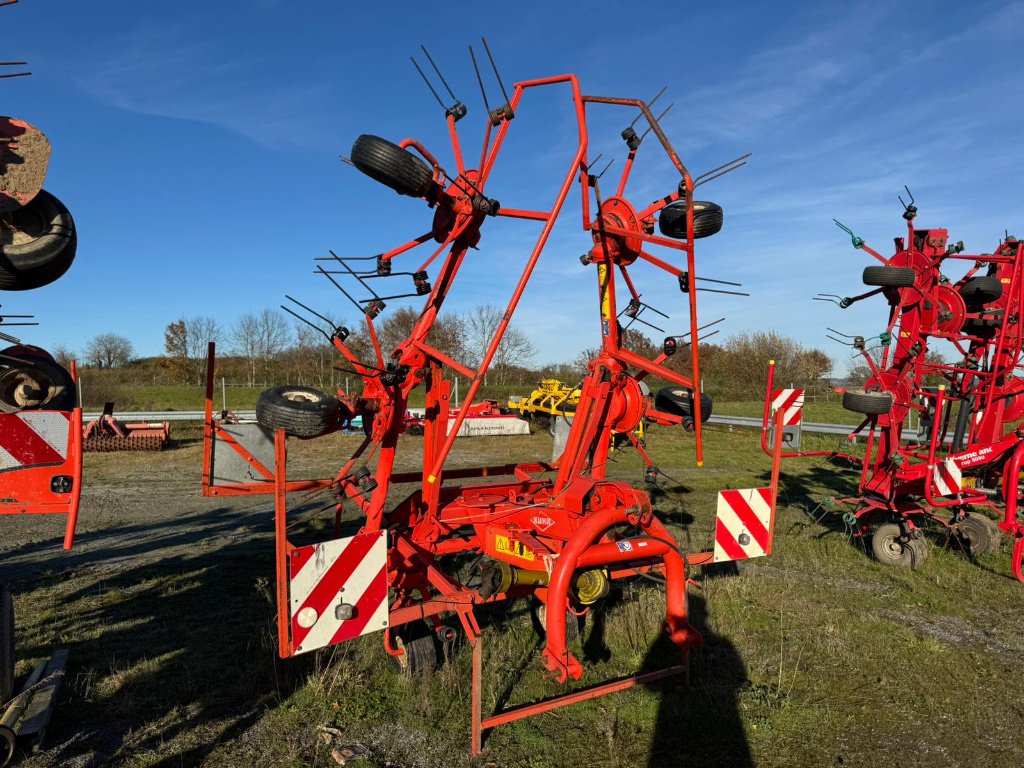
735,421
750,422
163,415
807,426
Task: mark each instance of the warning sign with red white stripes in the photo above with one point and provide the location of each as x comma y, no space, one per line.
791,402
948,479
743,524
33,439
338,590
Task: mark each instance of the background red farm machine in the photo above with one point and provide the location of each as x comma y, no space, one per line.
964,460
558,532
40,423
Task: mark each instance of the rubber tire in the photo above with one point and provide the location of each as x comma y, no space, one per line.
572,622
391,165
679,401
890,277
918,551
6,645
975,535
995,532
707,219
46,257
868,403
420,648
983,289
888,549
981,327
301,411
44,372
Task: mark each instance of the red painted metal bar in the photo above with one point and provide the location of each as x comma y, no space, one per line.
585,695
774,484
513,302
75,445
453,133
281,545
407,247
516,213
441,357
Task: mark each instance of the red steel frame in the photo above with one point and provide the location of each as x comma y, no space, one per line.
565,524
981,391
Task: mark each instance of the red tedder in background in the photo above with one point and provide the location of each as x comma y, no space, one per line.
558,532
964,460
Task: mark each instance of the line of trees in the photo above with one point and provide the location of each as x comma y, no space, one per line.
266,348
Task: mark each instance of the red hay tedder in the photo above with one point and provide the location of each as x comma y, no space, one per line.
557,532
964,461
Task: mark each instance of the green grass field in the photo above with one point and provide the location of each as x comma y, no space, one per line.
816,656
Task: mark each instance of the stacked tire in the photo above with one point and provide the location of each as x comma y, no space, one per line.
38,242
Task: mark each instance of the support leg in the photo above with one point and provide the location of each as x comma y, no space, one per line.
476,747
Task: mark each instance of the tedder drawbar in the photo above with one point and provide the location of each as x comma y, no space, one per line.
558,532
963,462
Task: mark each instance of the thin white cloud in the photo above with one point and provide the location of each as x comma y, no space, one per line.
167,73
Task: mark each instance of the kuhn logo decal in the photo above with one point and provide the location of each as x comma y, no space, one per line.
542,522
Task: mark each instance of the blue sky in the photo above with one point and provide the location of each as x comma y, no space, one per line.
197,147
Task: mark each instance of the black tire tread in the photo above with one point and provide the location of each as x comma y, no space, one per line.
44,259
420,646
391,165
671,401
298,419
982,289
889,277
708,218
976,535
868,403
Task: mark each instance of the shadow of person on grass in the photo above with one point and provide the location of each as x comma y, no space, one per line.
699,724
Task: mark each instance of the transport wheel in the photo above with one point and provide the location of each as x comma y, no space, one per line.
35,384
391,165
975,535
888,547
889,277
540,616
918,551
983,289
707,219
37,243
868,403
6,644
983,327
995,534
679,401
301,411
419,646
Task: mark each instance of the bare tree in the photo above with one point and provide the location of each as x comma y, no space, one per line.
313,358
514,350
63,355
185,343
447,334
109,350
202,329
259,339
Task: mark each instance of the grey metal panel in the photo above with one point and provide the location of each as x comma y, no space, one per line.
228,466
